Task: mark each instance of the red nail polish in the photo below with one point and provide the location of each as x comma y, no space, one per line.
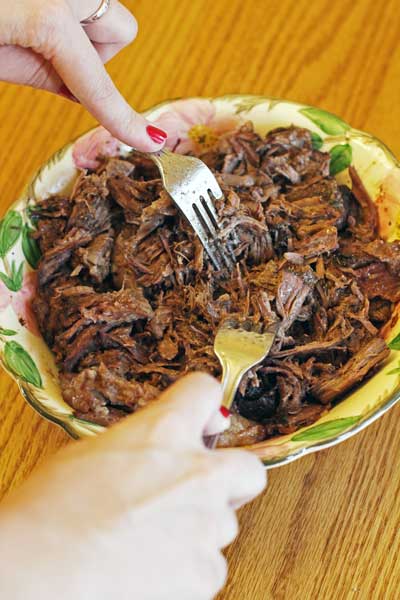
225,412
64,91
157,135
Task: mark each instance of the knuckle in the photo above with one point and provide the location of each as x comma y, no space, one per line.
255,470
130,30
44,23
128,26
247,460
242,464
41,77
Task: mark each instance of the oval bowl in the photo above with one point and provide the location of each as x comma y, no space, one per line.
197,121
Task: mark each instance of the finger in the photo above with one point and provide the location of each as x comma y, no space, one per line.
175,419
117,26
205,570
21,65
218,423
217,524
228,527
221,571
240,475
187,406
80,67
107,51
26,67
212,569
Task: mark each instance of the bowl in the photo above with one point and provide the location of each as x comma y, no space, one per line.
197,122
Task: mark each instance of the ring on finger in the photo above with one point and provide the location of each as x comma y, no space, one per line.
100,12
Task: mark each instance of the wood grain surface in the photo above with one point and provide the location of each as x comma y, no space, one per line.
327,527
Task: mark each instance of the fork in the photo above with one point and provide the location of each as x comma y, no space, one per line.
193,188
239,347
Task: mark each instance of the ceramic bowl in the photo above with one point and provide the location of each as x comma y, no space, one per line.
197,122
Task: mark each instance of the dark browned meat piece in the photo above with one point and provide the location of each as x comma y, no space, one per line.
168,347
110,308
376,281
133,196
312,348
91,210
116,360
85,342
96,389
385,252
242,432
90,320
289,424
48,232
366,226
323,242
96,257
291,294
160,321
56,258
380,310
369,356
51,219
128,300
115,167
155,215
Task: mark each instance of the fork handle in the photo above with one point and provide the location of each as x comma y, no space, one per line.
231,378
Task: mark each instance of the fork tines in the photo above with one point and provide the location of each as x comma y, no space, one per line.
193,187
207,218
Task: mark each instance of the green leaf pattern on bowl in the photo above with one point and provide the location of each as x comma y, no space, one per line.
317,141
325,430
394,344
21,364
10,230
7,332
30,247
341,156
326,121
14,280
395,371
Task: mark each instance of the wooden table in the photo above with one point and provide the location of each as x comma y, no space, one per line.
328,526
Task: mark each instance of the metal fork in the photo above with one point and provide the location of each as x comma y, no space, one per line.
239,347
193,188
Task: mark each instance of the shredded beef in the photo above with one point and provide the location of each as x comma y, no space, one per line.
128,300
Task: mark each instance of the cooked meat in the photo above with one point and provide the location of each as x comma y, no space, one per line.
242,432
128,300
96,257
369,356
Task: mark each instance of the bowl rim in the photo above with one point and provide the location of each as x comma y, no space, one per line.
67,423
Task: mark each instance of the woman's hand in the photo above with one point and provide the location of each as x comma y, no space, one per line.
141,511
43,44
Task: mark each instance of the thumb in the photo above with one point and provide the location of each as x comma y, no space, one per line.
191,403
177,418
82,70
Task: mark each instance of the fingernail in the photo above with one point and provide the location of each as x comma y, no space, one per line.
157,135
225,412
64,91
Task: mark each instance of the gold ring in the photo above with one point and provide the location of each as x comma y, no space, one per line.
100,12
